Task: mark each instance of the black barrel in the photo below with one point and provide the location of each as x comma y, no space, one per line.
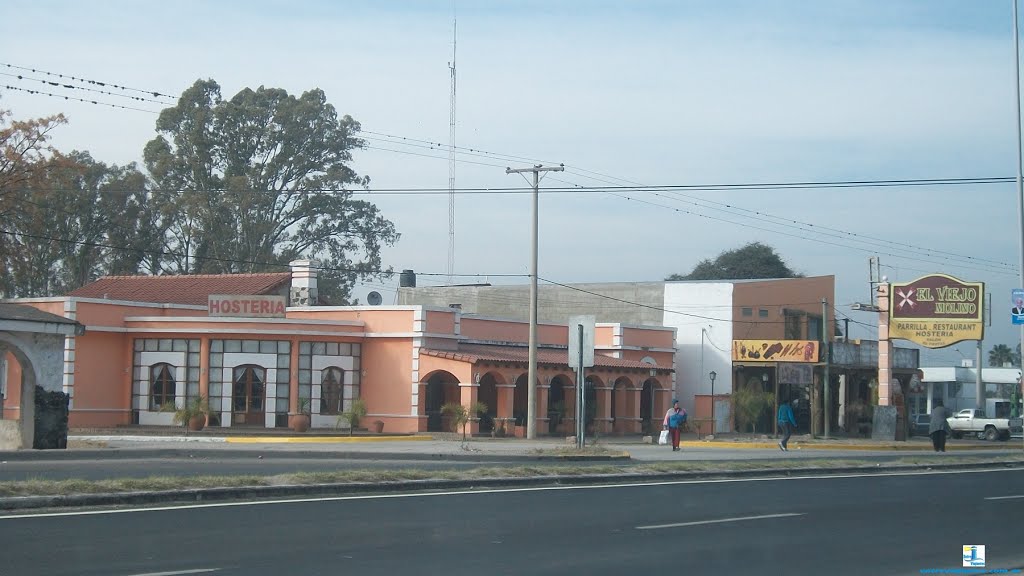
407,279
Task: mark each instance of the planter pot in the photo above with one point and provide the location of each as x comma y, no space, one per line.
300,422
378,426
196,423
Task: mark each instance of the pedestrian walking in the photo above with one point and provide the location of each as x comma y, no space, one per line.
787,422
674,419
938,427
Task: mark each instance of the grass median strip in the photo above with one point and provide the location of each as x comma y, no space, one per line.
42,487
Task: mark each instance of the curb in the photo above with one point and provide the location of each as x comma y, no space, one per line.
212,495
321,439
249,453
852,447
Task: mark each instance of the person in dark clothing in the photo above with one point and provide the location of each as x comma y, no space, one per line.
938,427
786,422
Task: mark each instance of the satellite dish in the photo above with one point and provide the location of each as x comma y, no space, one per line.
374,298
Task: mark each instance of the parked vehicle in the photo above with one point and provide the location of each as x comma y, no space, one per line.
973,421
919,424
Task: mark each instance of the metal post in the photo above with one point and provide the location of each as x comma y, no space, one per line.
825,352
714,428
531,387
979,385
1020,160
581,397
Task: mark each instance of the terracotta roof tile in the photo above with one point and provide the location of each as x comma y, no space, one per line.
520,354
182,289
10,311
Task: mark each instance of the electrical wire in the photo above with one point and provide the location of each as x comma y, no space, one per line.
66,97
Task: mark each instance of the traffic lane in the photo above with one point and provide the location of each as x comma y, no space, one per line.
207,466
848,525
210,464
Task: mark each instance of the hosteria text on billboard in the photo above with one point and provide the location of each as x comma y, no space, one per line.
246,306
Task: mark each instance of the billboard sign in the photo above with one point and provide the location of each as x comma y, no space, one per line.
937,311
775,351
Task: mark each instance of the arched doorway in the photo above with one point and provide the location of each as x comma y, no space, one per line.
622,407
487,393
521,401
649,421
592,402
441,388
559,407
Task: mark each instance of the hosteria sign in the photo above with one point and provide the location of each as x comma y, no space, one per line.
246,306
937,311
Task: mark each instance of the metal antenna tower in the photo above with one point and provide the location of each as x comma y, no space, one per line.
451,156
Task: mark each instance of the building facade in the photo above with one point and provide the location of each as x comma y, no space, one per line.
261,351
707,316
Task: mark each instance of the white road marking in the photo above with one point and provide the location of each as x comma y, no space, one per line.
719,521
1004,497
491,491
179,572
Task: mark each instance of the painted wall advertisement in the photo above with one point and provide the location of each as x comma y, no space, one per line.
246,306
937,311
775,350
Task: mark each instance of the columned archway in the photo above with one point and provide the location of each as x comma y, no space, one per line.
441,387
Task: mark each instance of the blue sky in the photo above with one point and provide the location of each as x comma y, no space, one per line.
650,92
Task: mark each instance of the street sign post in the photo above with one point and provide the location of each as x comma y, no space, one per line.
581,355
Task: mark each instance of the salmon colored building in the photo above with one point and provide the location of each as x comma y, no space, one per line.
261,351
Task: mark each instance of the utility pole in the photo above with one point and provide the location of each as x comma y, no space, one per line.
826,352
531,385
1020,162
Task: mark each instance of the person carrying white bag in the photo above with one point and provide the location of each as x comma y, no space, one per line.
672,425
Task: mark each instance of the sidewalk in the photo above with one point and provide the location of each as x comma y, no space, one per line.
447,446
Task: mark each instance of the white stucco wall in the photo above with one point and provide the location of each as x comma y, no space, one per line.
691,307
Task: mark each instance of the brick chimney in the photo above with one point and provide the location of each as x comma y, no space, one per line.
303,291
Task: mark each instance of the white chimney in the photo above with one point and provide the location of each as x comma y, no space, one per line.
303,291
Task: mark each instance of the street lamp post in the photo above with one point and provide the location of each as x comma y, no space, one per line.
713,375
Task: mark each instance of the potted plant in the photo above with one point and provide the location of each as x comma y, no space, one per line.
300,421
356,411
192,414
459,416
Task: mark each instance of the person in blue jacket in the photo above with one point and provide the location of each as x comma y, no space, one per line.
674,420
787,422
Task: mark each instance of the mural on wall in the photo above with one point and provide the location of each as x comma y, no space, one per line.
775,350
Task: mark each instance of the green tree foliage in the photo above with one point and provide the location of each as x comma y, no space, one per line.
1002,354
24,149
755,260
70,216
749,404
251,183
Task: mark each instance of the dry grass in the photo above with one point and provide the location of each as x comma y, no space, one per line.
41,487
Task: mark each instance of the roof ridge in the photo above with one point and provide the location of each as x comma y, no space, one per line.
204,276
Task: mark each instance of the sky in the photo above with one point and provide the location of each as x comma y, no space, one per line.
680,93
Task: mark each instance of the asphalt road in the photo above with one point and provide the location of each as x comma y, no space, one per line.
214,463
846,526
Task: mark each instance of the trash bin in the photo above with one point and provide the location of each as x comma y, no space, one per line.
51,421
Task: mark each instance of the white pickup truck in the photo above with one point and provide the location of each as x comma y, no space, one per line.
973,421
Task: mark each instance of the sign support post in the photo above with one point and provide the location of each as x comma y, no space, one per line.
581,355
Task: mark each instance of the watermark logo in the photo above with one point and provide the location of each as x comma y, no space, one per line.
974,555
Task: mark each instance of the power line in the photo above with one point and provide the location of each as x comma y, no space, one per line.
66,97
73,87
154,93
